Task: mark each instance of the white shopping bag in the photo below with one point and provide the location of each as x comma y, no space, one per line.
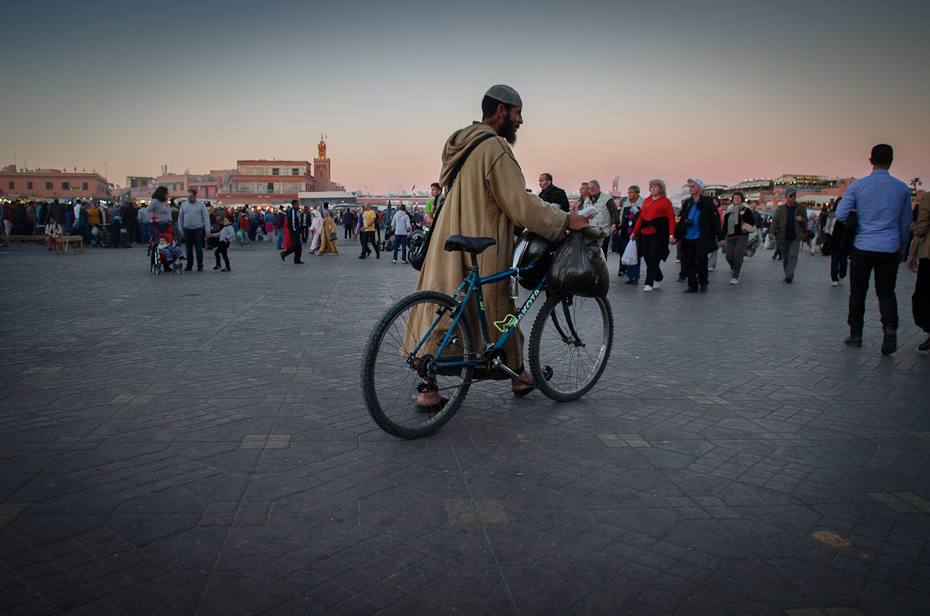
630,256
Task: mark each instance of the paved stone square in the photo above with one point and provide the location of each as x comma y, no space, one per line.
197,444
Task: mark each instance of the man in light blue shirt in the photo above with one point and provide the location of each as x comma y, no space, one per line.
883,209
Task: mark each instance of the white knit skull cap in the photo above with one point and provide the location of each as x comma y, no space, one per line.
504,94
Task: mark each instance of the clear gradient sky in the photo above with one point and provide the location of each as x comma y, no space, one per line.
720,90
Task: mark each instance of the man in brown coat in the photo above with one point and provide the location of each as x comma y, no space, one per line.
488,199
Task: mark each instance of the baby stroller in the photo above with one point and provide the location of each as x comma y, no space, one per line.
165,260
98,236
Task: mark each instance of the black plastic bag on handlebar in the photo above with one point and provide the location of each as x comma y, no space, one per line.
579,267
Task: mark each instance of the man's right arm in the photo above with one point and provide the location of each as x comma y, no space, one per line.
846,205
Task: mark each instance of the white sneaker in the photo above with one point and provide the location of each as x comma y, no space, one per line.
647,288
676,260
710,269
656,284
841,281
734,280
394,261
835,283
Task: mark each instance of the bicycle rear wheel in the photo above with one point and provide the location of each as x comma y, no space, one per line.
573,336
391,372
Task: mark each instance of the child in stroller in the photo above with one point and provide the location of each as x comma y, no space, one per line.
164,253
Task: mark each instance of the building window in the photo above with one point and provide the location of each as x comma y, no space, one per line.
270,186
275,171
295,171
48,186
85,185
11,186
28,185
65,186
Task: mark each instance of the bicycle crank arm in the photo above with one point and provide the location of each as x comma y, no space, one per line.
497,363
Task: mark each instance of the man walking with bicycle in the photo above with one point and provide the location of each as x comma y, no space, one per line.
487,199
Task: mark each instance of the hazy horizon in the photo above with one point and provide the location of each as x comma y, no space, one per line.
721,90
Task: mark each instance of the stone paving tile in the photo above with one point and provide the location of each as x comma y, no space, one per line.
231,467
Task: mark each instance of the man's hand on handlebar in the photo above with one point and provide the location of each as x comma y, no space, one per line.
577,222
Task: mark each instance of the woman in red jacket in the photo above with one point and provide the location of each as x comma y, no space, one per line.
655,224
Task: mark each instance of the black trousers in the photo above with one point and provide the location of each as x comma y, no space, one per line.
694,262
920,301
369,236
295,245
838,264
653,250
220,251
861,264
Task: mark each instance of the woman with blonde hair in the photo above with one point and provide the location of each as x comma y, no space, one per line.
327,235
655,224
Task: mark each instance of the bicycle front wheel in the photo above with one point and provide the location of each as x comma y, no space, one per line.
571,335
392,372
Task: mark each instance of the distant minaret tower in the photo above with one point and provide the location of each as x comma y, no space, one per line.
321,168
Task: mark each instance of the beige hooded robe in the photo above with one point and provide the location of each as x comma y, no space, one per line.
488,198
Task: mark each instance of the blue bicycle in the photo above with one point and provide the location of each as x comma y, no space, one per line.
426,343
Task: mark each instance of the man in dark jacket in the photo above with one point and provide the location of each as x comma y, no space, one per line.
700,233
551,193
788,227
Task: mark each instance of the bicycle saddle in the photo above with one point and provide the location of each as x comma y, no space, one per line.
474,245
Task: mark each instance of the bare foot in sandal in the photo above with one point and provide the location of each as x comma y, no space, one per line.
427,399
524,384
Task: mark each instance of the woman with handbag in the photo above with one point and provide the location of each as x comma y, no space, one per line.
738,224
656,220
328,234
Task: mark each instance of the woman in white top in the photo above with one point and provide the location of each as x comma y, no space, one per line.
401,225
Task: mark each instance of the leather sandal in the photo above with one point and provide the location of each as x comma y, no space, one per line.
547,374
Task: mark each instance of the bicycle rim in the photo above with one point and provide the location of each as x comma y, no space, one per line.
390,377
576,367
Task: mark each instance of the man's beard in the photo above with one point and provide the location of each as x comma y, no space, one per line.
508,131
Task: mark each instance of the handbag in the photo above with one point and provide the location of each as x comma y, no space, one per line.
418,246
630,255
332,237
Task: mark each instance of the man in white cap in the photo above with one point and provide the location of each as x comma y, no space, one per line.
699,231
487,199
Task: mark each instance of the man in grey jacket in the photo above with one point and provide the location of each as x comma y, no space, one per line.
194,222
788,227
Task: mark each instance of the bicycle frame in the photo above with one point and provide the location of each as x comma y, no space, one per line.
472,286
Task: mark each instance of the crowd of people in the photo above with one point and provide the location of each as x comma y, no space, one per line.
873,227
